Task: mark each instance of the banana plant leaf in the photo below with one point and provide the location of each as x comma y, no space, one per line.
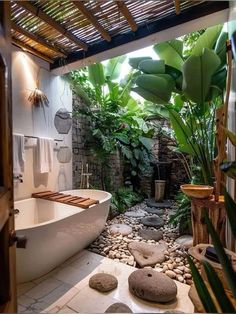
96,74
134,62
113,67
219,80
229,168
176,75
218,289
182,132
201,288
220,47
80,92
132,105
178,102
171,52
230,207
197,75
154,110
207,40
231,136
155,88
230,274
152,66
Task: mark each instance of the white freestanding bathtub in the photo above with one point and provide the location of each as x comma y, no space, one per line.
56,231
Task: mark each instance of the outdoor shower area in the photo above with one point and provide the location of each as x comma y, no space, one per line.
135,202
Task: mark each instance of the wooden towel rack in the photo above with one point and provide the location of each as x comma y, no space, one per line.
66,199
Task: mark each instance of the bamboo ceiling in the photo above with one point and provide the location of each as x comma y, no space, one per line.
56,29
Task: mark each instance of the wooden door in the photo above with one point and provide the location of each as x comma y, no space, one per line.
7,249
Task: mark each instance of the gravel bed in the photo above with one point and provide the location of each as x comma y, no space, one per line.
116,246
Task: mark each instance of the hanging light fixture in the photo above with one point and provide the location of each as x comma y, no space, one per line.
64,154
37,97
62,121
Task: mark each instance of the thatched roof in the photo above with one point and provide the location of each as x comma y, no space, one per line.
65,31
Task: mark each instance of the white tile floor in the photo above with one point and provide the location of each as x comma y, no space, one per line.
66,289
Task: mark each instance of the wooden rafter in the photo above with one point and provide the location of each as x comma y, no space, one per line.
25,47
125,11
48,20
36,38
92,19
177,6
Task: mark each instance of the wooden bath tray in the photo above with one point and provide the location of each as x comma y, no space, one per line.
65,199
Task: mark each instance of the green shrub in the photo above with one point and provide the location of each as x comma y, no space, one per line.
125,198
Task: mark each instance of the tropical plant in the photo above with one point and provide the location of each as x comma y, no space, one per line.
118,122
124,198
221,302
188,89
183,213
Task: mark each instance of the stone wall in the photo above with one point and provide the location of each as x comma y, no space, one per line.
162,153
82,146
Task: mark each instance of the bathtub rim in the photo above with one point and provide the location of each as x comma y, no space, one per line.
80,210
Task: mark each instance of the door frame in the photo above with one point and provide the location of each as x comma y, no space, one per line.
7,247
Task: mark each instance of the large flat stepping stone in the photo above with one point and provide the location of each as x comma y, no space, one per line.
148,284
103,282
154,210
120,229
118,308
152,221
134,214
152,203
151,234
147,254
185,241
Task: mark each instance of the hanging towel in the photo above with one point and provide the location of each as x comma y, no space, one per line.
18,154
44,154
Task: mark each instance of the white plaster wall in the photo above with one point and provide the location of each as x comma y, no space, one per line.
39,121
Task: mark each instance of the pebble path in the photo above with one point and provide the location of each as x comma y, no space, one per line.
116,246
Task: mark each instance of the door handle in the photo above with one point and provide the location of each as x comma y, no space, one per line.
20,240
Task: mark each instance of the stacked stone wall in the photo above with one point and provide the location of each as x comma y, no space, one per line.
82,154
113,170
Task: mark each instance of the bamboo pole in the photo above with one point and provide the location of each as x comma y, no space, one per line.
37,39
125,11
177,6
92,19
48,20
27,48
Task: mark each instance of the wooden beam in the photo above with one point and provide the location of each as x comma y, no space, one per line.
48,20
92,19
27,48
37,39
200,16
177,6
125,11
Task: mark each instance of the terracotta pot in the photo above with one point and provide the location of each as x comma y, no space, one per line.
197,190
